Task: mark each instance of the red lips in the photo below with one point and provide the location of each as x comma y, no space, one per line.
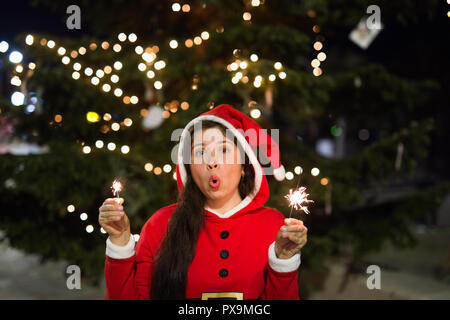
214,181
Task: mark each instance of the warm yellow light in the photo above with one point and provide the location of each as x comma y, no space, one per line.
125,149
76,75
92,116
186,8
61,51
65,60
126,100
71,208
277,65
198,41
139,50
82,50
254,57
99,73
318,45
107,69
29,40
157,171
117,65
99,144
272,77
15,81
132,37
58,118
184,105
205,35
173,44
247,16
88,71
19,68
31,66
118,92
111,146
128,122
167,168
282,75
142,66
321,56
115,126
76,66
315,172
106,87
234,66
86,149
255,113
148,167
289,175
114,78
158,85
243,65
89,228
150,74
160,65
107,117
83,216
298,170
317,72
93,46
134,99
324,181
189,43
51,44
176,7
95,81
315,63
117,47
122,37
105,45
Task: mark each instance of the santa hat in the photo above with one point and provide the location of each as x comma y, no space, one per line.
239,124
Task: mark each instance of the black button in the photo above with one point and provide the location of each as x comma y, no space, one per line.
224,254
223,273
224,234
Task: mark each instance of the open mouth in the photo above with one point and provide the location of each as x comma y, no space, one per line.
214,182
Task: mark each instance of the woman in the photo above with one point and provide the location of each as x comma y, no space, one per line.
217,241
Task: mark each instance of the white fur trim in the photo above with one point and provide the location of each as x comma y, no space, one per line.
283,265
120,252
279,173
248,150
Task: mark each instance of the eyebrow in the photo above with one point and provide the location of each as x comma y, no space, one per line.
201,144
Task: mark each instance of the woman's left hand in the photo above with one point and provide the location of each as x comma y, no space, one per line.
290,238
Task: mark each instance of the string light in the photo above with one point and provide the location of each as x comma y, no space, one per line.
29,39
315,172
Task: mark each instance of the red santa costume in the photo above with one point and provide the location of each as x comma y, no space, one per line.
235,256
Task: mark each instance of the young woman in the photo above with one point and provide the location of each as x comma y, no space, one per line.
217,241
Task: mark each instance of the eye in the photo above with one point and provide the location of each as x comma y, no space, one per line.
198,153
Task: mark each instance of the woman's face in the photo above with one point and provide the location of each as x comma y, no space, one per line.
215,165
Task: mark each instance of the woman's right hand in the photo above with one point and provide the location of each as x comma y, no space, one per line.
114,221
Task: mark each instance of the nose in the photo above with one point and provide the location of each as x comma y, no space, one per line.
211,161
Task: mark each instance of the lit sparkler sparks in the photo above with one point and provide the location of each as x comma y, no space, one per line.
298,199
116,188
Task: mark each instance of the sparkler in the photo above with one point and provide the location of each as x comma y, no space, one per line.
116,188
298,198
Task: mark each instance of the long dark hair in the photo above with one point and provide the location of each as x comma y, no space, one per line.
178,247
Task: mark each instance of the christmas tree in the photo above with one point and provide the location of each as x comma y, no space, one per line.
83,107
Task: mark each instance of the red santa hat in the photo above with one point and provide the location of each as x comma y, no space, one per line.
248,133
